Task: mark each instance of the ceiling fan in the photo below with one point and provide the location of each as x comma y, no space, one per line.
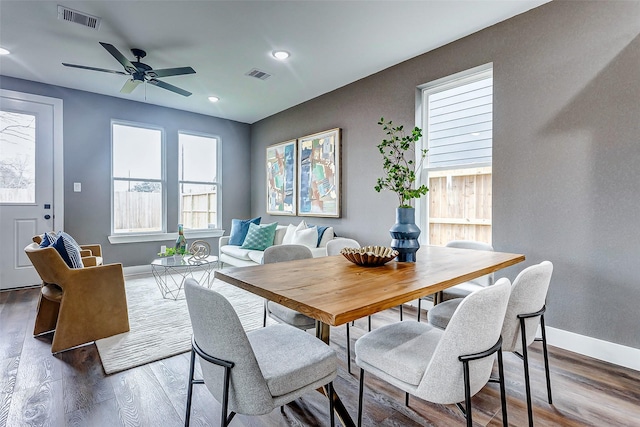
140,72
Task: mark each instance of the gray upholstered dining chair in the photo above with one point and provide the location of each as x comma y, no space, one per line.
254,372
463,289
525,311
278,312
441,366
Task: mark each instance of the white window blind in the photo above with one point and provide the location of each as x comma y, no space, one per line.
459,122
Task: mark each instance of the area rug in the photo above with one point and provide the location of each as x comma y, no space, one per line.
160,328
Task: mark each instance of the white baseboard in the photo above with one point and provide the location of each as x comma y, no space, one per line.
617,354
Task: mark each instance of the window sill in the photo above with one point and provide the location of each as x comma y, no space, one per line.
163,237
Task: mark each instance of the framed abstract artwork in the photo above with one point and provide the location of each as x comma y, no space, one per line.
319,174
281,178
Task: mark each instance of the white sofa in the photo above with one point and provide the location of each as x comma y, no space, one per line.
237,257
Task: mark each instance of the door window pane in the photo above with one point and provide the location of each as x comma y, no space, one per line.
17,157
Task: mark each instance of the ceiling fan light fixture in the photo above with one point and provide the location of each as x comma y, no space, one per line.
281,54
214,99
4,51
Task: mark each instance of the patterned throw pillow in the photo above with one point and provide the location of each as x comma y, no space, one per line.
239,229
47,239
68,250
260,237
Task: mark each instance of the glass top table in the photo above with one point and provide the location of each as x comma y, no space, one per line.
171,272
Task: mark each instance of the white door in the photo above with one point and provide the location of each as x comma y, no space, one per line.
29,125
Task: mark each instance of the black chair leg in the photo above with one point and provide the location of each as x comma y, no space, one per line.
187,416
369,320
360,393
348,350
503,393
527,381
467,393
401,312
225,398
331,414
406,399
264,317
546,358
419,299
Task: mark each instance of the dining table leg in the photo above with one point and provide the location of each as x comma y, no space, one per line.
323,333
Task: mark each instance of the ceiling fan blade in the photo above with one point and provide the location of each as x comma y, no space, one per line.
167,86
128,66
166,72
130,85
95,69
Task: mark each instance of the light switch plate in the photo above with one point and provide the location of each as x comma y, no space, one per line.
77,187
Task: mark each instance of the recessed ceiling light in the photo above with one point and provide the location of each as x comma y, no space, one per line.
4,51
214,99
280,54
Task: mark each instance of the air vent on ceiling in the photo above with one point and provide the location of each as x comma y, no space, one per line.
83,19
258,74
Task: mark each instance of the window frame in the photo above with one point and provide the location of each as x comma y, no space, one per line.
217,182
162,181
422,93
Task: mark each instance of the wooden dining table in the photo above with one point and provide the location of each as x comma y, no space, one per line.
335,291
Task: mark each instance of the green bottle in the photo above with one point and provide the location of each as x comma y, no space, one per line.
181,241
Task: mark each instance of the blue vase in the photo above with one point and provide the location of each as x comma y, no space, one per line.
404,234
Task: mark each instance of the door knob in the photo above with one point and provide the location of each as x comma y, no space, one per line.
47,217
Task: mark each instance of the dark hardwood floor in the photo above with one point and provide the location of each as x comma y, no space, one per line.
71,389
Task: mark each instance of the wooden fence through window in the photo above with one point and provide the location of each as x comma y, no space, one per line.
460,205
140,211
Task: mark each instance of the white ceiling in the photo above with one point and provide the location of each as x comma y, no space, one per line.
332,43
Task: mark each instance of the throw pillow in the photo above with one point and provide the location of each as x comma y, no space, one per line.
291,231
321,230
259,237
307,237
68,250
288,235
326,236
47,239
239,230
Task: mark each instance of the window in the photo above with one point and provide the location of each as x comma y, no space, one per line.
457,120
199,181
137,179
18,162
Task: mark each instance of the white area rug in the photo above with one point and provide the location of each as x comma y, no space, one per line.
161,328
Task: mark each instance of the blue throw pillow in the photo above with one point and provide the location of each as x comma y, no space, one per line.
260,237
239,229
68,250
321,230
47,240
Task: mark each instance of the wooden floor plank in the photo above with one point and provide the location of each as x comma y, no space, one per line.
8,374
41,405
85,383
141,399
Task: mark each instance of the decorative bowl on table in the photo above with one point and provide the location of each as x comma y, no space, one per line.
369,256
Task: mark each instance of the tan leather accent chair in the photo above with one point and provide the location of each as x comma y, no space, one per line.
80,304
91,254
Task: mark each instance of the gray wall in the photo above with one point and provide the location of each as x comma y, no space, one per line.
566,152
87,154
